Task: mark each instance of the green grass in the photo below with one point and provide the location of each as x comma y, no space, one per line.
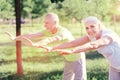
40,66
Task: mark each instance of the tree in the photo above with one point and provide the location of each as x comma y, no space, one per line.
6,9
34,8
56,1
116,13
82,8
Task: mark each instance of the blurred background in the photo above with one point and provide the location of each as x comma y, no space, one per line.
37,65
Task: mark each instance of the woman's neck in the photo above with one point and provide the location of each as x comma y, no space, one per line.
99,35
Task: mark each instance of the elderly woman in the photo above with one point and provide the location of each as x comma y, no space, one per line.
98,37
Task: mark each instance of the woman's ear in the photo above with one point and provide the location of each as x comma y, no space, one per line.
55,22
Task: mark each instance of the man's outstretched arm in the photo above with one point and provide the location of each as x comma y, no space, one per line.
18,38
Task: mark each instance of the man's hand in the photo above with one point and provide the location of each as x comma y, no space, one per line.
18,38
27,42
10,35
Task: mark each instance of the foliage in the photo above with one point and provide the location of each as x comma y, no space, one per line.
29,8
115,7
79,9
34,8
66,9
56,1
6,9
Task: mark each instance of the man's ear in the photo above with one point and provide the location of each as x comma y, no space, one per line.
55,22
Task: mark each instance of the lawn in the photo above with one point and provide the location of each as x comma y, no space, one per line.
38,65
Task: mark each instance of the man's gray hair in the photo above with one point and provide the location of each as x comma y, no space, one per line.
53,16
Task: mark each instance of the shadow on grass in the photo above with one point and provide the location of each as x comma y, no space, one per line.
97,75
40,59
93,55
7,44
55,75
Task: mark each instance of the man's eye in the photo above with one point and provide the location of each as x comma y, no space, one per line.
87,28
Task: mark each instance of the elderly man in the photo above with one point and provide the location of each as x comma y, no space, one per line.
75,64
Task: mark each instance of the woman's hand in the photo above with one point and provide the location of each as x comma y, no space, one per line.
63,52
47,48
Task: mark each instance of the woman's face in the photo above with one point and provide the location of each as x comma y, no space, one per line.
92,29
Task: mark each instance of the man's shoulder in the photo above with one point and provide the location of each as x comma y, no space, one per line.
65,33
61,28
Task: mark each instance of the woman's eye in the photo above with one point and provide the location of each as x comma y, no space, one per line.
92,26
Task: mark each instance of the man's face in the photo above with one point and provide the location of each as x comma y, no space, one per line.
49,24
92,29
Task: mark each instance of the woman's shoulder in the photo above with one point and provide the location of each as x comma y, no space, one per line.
108,31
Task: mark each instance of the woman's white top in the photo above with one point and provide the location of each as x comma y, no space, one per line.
111,51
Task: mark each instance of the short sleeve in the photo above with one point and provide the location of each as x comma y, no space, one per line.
110,34
65,34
